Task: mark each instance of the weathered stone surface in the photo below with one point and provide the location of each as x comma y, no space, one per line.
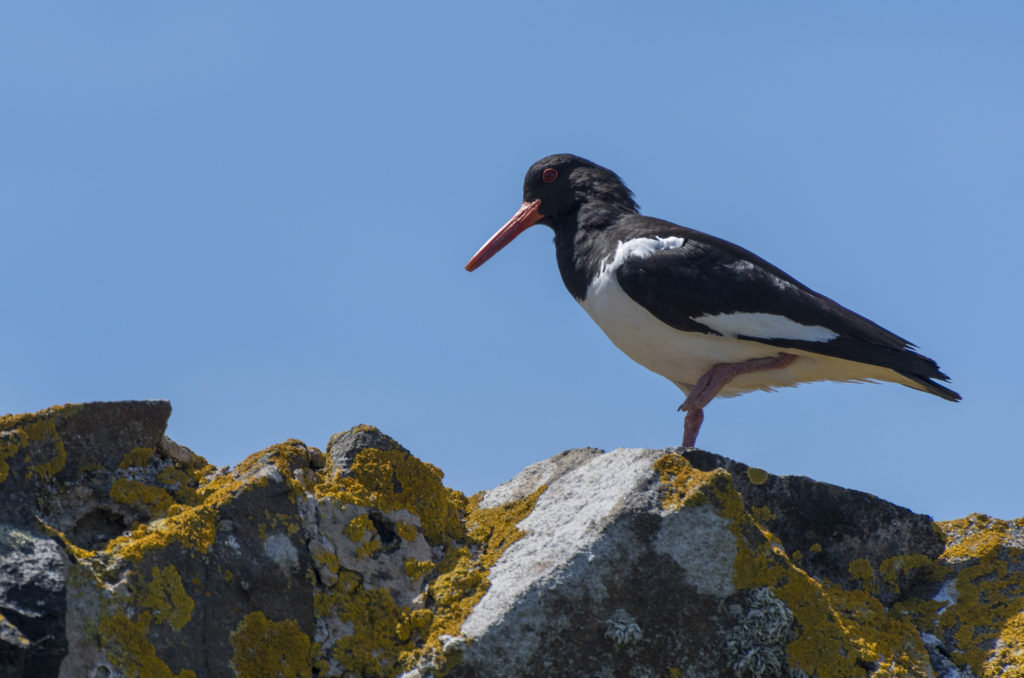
125,554
57,467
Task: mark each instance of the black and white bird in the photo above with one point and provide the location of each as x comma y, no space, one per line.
709,316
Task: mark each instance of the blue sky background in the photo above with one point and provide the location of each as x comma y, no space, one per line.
261,212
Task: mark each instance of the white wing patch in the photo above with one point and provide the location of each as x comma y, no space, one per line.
764,326
638,247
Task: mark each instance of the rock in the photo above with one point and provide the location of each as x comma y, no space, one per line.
59,467
125,554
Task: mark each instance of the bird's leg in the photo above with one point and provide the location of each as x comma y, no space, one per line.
709,385
691,426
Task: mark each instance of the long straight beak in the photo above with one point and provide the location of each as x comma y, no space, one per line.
528,215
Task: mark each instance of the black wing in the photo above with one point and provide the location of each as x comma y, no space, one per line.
709,276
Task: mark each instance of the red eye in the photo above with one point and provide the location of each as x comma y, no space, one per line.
549,175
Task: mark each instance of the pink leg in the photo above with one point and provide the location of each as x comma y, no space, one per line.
691,427
713,381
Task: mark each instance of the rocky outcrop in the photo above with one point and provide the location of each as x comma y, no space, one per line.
125,554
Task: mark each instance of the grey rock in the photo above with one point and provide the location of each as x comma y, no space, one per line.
533,476
32,604
123,553
343,447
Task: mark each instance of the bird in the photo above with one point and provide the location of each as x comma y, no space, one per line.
710,316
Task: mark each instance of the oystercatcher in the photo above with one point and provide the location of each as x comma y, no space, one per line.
709,316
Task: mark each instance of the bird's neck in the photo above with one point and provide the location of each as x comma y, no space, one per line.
581,243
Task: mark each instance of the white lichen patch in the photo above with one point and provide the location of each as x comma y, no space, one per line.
757,644
280,549
621,628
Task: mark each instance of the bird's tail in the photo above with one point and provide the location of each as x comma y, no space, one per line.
929,386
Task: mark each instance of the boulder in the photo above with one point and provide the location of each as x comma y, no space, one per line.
123,553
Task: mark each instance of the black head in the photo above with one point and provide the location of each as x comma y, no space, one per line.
563,183
558,190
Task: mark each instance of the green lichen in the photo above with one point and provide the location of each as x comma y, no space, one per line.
272,649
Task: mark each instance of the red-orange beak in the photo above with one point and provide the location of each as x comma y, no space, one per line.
528,215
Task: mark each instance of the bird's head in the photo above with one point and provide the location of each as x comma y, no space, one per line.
554,191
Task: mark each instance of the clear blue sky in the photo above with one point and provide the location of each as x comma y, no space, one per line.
261,212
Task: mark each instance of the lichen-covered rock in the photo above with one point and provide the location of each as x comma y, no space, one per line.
125,554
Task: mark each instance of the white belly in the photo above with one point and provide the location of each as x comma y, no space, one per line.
683,357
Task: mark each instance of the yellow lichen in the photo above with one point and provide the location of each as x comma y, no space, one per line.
165,597
357,527
138,456
75,552
17,431
40,430
417,568
126,641
757,476
860,569
10,443
838,632
681,482
179,483
393,479
985,617
128,648
154,499
897,570
193,528
463,580
381,628
272,649
1007,659
405,530
388,638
